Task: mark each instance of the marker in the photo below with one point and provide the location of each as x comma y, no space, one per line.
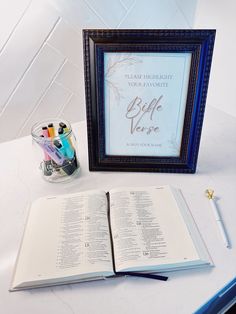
64,126
51,130
59,147
58,158
66,130
45,131
69,151
47,169
71,165
53,152
45,135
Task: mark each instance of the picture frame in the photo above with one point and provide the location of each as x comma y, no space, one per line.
145,98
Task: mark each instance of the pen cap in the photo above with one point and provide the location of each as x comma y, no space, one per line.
51,130
55,150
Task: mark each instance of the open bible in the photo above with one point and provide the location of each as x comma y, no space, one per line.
93,235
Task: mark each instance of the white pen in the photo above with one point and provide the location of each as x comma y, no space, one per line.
210,196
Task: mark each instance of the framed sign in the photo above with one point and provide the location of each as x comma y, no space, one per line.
145,97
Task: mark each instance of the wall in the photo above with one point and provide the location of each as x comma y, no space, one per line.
220,15
41,64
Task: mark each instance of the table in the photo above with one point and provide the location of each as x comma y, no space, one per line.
185,291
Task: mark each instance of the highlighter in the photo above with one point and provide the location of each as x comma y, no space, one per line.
71,165
53,152
47,169
59,147
64,126
66,130
51,130
45,135
68,149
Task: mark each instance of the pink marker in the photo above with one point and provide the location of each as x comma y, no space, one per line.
45,135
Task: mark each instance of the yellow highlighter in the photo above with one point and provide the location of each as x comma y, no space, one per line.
66,130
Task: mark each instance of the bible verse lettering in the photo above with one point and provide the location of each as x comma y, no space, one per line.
141,115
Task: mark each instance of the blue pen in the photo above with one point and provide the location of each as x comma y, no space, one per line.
69,151
221,301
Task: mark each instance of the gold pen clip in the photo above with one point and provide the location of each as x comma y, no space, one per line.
209,194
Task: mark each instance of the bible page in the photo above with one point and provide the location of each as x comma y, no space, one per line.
148,230
65,236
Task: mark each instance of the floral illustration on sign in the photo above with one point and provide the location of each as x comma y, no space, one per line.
118,61
173,144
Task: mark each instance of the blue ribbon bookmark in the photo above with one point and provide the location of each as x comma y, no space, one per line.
150,276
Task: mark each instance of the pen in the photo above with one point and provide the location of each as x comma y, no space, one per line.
210,196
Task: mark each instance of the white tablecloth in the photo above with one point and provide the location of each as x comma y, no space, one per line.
185,291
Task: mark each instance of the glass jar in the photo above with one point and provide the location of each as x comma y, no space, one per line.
55,148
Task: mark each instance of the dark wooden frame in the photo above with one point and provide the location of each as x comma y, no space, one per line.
199,42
